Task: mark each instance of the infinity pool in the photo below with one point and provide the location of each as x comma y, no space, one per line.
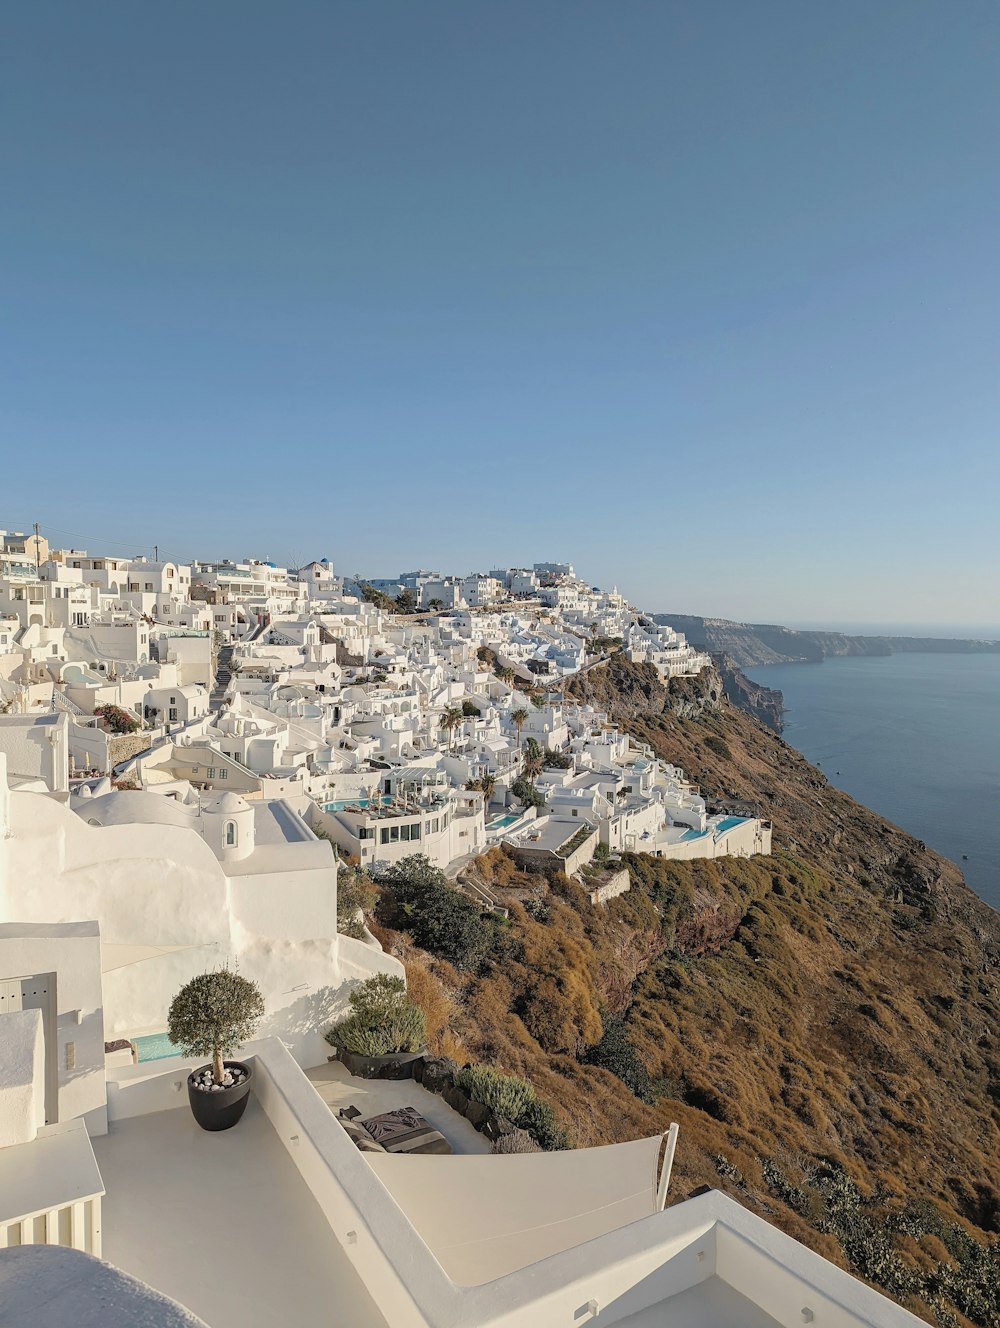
728,822
502,823
341,803
155,1047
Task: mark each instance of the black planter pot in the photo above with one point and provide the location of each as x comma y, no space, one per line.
221,1110
397,1065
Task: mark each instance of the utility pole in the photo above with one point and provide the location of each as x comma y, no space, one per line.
36,546
156,553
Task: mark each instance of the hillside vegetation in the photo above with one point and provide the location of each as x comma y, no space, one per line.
820,1023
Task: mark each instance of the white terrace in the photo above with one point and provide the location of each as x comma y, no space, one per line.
281,1220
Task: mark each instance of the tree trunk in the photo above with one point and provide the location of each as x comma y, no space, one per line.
218,1069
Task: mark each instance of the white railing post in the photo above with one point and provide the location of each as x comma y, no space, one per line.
667,1167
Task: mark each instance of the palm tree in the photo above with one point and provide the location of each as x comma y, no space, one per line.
451,720
533,759
487,783
507,676
517,718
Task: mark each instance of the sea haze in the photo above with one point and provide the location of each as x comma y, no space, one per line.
915,737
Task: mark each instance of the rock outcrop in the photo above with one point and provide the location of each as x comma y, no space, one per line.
764,703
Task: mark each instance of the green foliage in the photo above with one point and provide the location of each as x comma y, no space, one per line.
355,890
377,597
418,898
513,1097
383,1020
524,789
213,1014
719,746
506,1094
557,760
602,855
539,1120
469,708
616,1053
117,719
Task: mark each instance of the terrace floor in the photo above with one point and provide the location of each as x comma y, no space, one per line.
224,1224
339,1089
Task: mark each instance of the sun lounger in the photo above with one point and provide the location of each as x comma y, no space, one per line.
401,1131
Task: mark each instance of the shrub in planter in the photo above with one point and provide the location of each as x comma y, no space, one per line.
212,1015
383,1020
504,1094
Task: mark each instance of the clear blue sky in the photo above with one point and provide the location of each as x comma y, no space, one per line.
702,296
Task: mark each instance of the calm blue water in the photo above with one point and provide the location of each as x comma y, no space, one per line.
914,737
728,822
155,1047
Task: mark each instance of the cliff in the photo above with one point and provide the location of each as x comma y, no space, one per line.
750,645
765,703
821,1023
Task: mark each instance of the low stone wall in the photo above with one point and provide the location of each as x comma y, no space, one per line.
438,1076
123,746
611,889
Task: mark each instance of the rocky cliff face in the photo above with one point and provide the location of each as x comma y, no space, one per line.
764,703
750,645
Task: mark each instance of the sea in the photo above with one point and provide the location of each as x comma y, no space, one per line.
915,737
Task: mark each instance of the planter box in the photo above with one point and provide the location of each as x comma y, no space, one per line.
398,1065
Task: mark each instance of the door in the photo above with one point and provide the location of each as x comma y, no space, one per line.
38,993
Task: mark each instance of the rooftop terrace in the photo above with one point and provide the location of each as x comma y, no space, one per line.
224,1223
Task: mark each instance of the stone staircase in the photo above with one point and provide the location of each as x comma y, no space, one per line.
223,677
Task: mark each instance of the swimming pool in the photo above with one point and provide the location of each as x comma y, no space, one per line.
728,822
502,823
155,1047
693,834
341,803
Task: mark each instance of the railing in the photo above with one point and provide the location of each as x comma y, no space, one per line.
75,1225
58,1200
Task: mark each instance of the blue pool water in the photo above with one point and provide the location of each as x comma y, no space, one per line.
693,834
341,803
728,822
503,821
155,1047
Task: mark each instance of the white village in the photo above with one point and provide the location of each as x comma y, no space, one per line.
196,760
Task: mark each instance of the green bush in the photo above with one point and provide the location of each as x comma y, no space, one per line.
355,891
719,746
525,790
420,899
513,1097
539,1120
383,1020
505,1094
616,1053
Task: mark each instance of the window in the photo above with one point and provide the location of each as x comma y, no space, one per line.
366,832
172,714
211,772
223,774
385,835
230,839
394,834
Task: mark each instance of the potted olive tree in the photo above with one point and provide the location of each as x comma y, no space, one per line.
212,1015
